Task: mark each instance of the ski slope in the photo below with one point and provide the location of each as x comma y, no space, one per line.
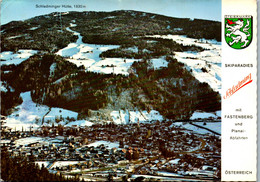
205,65
29,115
87,55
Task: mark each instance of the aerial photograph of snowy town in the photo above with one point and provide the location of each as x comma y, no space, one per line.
113,90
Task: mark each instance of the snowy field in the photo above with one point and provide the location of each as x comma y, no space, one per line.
204,115
164,173
43,140
107,144
183,39
159,63
44,163
58,112
87,55
63,163
29,114
80,123
202,69
200,172
205,65
214,126
112,65
126,117
26,114
28,140
16,58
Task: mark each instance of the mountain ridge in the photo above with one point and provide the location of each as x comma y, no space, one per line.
170,89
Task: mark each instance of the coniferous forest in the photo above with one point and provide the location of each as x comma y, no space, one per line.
20,169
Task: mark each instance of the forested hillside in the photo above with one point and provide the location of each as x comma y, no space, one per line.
61,80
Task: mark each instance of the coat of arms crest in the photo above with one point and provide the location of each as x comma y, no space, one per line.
238,30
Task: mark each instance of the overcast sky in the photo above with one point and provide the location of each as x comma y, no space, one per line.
202,9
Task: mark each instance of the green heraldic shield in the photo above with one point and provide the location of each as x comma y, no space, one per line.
238,30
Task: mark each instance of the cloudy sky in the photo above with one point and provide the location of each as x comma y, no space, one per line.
202,9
